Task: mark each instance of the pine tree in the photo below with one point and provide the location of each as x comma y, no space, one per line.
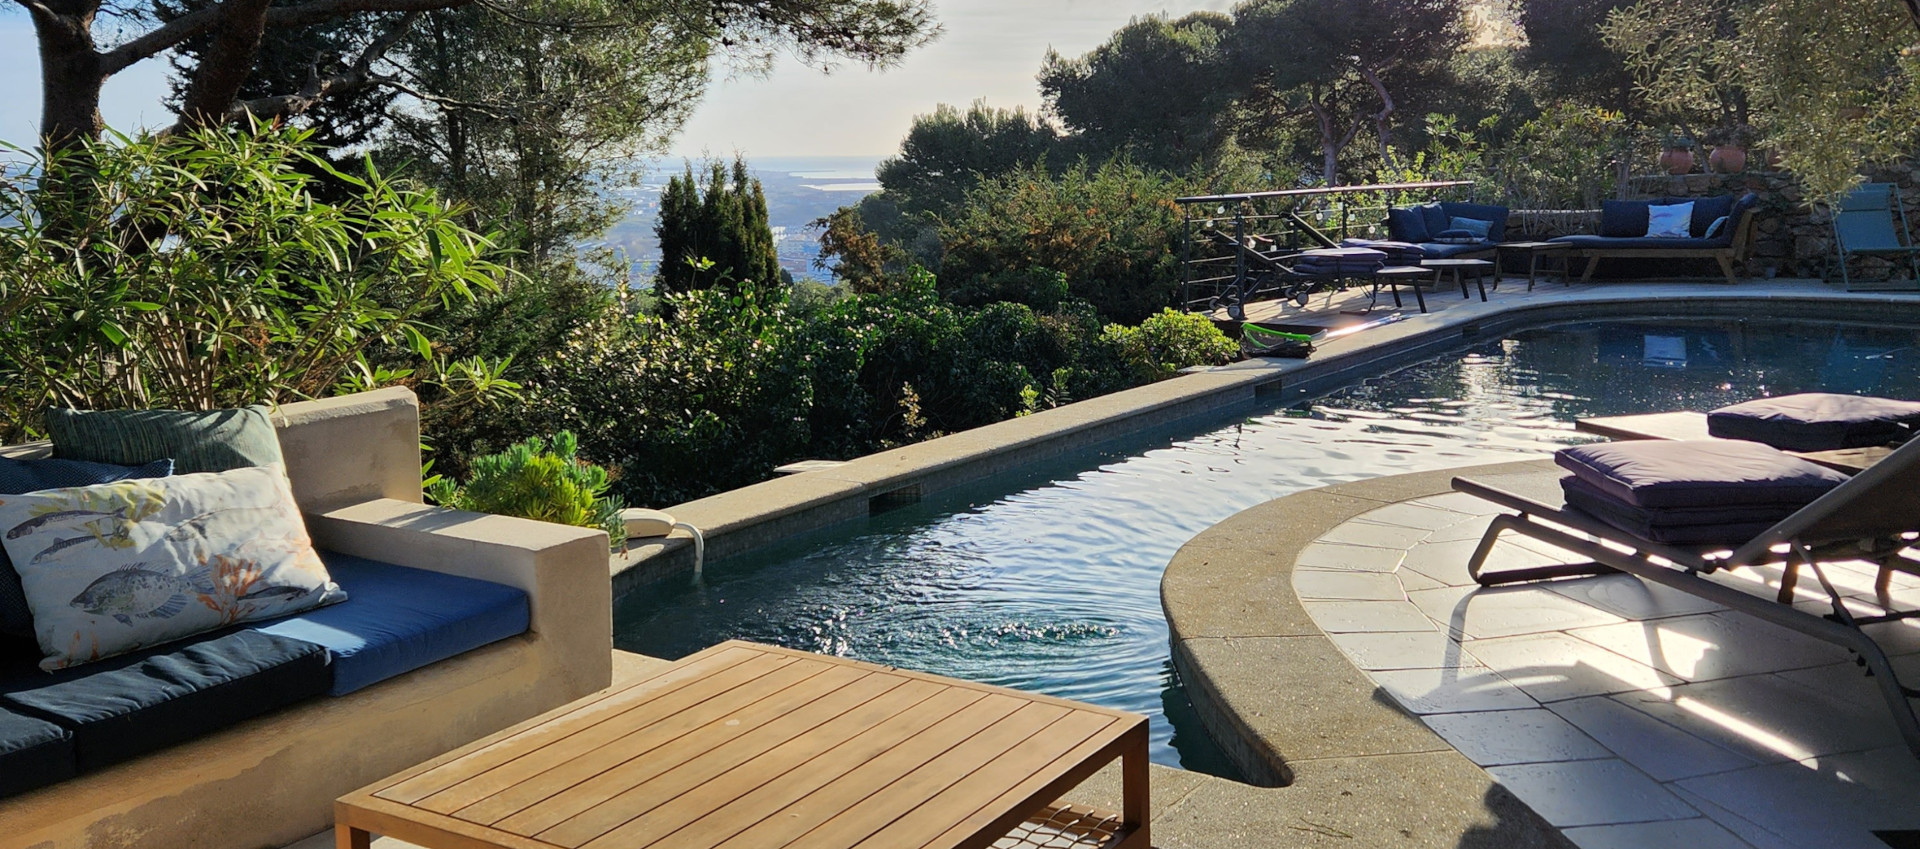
716,234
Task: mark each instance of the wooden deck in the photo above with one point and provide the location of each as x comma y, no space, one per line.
746,745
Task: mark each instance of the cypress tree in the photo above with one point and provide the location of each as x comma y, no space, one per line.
725,223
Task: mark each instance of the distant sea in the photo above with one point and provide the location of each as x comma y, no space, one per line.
800,190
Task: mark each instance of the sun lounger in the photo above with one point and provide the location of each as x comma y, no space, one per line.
1868,517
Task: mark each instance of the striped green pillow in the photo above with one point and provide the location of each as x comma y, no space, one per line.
206,441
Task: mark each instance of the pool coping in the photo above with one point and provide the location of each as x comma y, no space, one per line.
1281,699
755,516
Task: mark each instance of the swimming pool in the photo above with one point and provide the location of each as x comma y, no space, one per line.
1049,580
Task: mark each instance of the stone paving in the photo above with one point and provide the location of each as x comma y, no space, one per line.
1626,714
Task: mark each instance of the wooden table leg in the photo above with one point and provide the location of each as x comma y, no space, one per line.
348,837
1135,799
1533,268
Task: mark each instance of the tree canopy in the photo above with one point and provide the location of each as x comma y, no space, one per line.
1157,88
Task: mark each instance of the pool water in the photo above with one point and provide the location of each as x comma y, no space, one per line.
1049,580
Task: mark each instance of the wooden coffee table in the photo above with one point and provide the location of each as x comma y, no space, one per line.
1479,267
747,746
1533,250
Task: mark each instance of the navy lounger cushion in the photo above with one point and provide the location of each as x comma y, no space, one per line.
20,476
1730,526
1816,421
1439,250
1698,473
1434,216
397,619
1721,240
1495,216
1623,219
1705,211
126,706
33,753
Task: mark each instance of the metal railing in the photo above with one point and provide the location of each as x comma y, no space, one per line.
1221,231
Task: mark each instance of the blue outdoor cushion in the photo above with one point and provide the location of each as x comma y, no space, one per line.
21,476
397,619
33,753
1398,253
1623,219
1816,421
126,706
1705,473
1406,225
1495,216
1440,250
1730,526
1473,226
1705,210
1585,242
1434,216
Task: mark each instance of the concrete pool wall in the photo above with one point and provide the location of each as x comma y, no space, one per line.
744,519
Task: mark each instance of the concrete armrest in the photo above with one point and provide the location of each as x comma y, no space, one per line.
564,570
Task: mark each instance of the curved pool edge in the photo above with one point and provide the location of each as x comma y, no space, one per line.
762,514
1287,706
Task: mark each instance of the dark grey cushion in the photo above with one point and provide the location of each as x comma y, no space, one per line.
1705,210
1816,421
19,476
1406,225
198,441
1441,250
1623,219
1398,253
1731,526
33,753
126,706
1698,473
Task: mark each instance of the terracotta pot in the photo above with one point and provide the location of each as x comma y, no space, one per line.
1727,159
1677,160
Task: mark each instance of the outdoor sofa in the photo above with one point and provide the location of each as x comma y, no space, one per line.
457,625
1623,233
1434,227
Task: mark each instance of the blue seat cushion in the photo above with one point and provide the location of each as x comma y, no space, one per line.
1441,250
1705,210
1624,219
1584,242
1433,216
1730,526
126,706
1816,421
397,619
33,753
23,476
1716,473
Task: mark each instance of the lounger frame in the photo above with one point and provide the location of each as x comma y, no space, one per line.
1823,531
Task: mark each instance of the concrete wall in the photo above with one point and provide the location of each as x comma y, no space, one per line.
272,780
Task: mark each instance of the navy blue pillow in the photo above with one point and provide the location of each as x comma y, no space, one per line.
20,476
1406,225
1626,219
1434,216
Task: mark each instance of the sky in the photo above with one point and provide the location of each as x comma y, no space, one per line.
990,49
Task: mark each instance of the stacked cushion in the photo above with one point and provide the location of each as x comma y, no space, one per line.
1816,421
22,476
1398,253
1339,262
1702,492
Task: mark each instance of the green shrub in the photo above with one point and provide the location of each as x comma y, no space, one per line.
203,271
532,482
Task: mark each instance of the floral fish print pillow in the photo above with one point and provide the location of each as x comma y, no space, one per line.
116,567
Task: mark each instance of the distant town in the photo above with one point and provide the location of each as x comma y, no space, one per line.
800,191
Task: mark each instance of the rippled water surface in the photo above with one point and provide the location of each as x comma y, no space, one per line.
1049,580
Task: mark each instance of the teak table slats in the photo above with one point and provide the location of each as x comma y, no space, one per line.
746,746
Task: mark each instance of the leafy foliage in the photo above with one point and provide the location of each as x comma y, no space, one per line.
1157,90
1103,234
201,272
532,481
948,151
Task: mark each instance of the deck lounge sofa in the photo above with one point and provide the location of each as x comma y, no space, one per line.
1623,233
1432,227
456,625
